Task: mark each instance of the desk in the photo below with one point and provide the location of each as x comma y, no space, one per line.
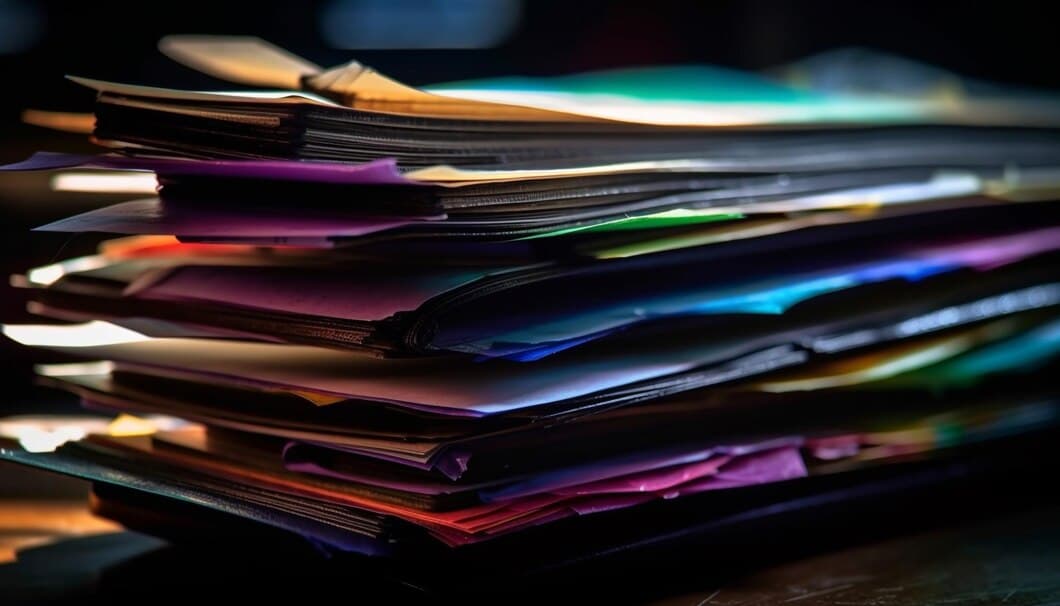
1011,558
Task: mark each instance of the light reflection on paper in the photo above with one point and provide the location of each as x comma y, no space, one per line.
126,425
900,364
45,434
50,274
74,369
89,334
625,108
35,439
111,182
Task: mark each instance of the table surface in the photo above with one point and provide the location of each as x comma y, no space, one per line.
54,550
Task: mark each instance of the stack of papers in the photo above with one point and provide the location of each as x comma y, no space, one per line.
395,321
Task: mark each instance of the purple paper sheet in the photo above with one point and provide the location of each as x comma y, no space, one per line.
765,467
377,172
364,294
654,469
652,480
153,216
638,472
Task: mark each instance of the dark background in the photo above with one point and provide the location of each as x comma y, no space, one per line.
1011,42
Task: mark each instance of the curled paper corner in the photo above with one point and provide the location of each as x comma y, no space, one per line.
241,59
